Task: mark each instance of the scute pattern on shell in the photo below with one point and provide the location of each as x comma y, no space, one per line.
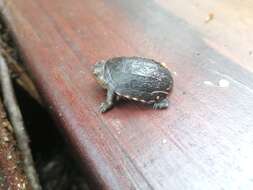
140,79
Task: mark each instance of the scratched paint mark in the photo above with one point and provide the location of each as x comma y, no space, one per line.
234,81
208,83
117,125
222,83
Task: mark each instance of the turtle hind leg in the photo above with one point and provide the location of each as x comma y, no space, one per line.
108,104
162,104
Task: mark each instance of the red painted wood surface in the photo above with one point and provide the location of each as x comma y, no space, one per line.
203,141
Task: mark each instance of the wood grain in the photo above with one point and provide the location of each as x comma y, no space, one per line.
203,141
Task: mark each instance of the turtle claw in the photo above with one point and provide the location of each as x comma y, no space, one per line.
161,105
105,107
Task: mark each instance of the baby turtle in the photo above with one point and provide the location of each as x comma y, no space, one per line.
134,78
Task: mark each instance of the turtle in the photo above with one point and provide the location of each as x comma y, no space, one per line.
136,78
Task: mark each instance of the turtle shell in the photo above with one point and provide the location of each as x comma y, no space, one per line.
137,78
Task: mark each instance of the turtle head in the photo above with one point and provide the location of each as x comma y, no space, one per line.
98,71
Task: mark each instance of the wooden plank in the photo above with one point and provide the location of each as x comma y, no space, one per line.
203,141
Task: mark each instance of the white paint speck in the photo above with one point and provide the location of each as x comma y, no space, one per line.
164,141
224,83
174,73
117,125
82,72
209,83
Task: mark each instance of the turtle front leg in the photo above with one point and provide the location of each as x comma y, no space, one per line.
105,106
162,104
